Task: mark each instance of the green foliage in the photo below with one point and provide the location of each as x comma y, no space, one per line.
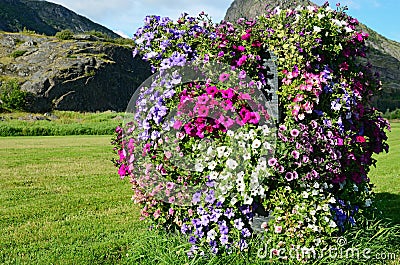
27,31
98,34
392,115
65,34
17,53
11,96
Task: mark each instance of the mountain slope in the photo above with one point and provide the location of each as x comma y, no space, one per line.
44,18
80,74
384,54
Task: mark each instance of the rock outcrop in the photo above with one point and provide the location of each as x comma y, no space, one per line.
78,74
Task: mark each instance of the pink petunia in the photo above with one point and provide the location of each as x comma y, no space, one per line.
202,111
177,124
294,132
227,105
223,77
211,90
202,99
241,48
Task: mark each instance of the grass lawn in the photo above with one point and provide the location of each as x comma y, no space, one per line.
62,203
386,177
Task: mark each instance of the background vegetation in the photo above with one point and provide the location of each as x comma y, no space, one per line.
59,123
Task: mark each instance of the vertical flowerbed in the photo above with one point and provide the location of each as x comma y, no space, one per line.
211,158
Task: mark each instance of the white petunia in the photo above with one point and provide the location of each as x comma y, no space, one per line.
267,145
228,152
312,212
212,165
246,156
368,202
316,185
233,201
247,200
252,134
355,187
317,29
332,200
198,167
220,151
256,144
348,29
211,151
320,16
232,164
332,224
246,137
241,186
230,133
242,144
305,194
213,175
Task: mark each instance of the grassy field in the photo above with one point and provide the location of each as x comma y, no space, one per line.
62,203
59,123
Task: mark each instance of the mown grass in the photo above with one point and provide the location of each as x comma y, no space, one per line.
62,203
60,123
386,177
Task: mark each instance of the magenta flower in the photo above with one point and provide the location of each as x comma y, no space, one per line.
241,60
241,48
246,36
228,93
212,90
252,117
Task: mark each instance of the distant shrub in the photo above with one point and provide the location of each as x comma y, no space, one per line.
98,34
392,115
17,53
65,34
11,96
27,31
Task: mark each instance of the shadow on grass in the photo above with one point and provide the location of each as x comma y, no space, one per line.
388,205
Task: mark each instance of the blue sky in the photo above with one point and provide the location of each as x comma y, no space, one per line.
125,16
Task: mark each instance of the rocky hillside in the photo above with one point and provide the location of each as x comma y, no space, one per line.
44,18
384,54
83,74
